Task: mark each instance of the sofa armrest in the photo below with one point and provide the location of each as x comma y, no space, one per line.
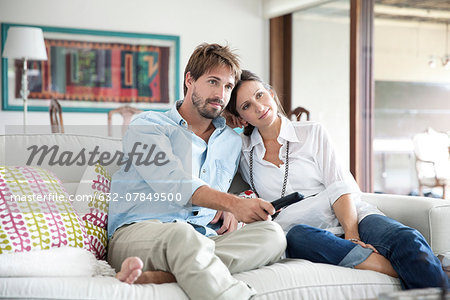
430,216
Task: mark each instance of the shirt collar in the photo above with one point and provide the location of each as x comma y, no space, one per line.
287,133
219,122
173,114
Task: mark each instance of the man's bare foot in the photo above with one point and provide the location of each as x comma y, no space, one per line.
157,277
131,270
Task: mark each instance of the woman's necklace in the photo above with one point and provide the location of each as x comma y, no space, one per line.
286,171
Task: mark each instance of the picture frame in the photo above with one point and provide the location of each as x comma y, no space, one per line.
96,71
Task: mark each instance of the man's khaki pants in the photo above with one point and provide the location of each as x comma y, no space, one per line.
201,265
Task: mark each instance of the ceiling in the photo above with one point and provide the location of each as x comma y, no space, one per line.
433,11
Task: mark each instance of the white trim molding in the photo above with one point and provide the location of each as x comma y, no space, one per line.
276,8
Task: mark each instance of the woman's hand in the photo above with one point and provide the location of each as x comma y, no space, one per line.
362,244
345,211
233,121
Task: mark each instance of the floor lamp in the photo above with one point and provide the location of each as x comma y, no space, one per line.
25,43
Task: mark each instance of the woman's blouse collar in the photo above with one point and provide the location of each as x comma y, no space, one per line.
287,133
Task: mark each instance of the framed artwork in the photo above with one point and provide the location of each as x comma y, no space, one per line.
96,71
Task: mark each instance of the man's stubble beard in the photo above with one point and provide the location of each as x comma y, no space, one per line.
202,108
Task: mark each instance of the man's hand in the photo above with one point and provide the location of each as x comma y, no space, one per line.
233,121
244,210
229,223
252,210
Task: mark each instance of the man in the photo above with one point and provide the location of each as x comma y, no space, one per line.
167,209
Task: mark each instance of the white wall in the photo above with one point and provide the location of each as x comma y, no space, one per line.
321,75
240,23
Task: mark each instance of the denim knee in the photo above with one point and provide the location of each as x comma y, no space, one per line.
408,234
302,229
317,245
302,232
408,237
298,238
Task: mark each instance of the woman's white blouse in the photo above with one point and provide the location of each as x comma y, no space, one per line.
313,169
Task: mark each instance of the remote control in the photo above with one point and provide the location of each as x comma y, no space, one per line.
287,200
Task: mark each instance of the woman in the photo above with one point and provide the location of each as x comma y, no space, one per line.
332,225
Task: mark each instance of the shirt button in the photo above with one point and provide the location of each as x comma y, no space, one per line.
204,171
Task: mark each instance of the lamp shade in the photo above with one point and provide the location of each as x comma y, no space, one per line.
25,42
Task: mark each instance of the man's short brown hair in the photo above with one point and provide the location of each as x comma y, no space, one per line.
208,56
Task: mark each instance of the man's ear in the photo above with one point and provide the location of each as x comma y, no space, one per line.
188,80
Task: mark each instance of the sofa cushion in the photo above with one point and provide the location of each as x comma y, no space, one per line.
302,279
289,279
15,151
35,212
54,262
92,206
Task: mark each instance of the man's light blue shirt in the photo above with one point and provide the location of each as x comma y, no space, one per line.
170,163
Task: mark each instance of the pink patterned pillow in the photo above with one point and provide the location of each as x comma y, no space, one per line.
91,203
35,213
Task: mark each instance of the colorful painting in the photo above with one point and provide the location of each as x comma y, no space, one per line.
97,71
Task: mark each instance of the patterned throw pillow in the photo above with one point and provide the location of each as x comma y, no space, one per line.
92,205
35,212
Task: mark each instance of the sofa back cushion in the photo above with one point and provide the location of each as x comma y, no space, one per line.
15,151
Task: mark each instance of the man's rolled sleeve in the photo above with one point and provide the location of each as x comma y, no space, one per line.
196,183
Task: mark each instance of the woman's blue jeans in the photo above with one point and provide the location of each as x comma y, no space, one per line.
406,249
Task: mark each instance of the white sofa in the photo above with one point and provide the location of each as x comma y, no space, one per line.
288,279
